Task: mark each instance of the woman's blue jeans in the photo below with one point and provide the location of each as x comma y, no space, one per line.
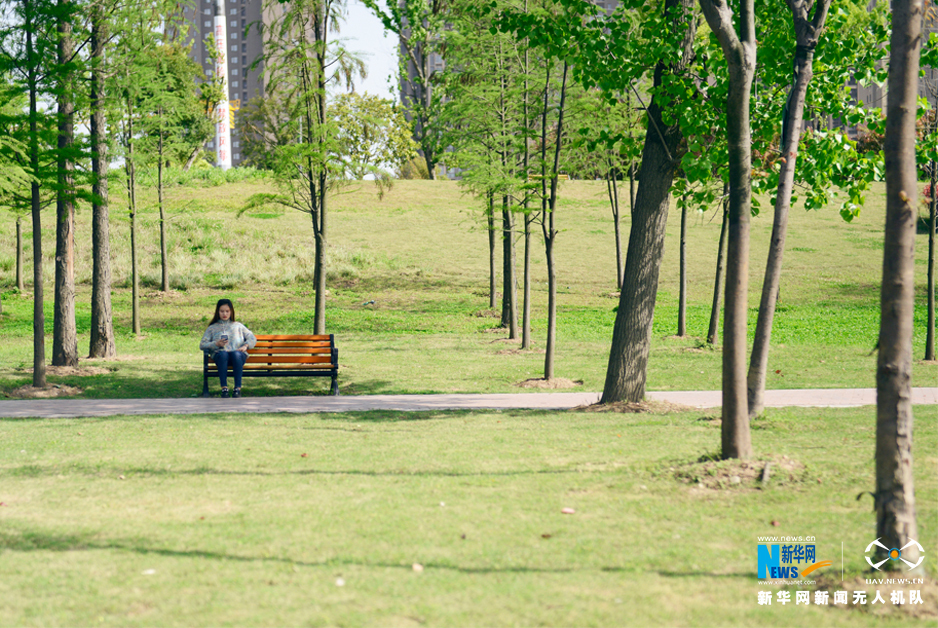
234,358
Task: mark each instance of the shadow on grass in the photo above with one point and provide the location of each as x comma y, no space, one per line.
38,471
31,541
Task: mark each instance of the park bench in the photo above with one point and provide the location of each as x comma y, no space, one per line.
285,356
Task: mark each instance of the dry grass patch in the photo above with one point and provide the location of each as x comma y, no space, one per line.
556,383
637,407
711,474
49,392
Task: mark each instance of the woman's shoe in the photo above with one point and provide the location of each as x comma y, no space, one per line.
237,393
224,393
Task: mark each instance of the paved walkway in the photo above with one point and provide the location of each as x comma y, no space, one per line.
68,408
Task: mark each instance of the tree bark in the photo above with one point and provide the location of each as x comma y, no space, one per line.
682,297
131,170
631,339
895,494
64,333
740,53
807,32
526,312
102,343
713,333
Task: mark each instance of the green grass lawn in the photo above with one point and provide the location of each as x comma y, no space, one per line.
258,519
421,254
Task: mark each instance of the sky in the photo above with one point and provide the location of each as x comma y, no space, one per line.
364,33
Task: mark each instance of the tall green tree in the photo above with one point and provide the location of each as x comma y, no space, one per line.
373,135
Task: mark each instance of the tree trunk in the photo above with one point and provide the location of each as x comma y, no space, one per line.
39,339
614,204
713,331
64,333
20,284
807,33
132,205
510,282
740,53
895,494
932,214
550,238
164,261
682,297
490,220
631,338
102,343
526,313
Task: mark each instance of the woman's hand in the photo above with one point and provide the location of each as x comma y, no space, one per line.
243,349
221,343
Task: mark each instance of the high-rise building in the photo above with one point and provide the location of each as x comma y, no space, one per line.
245,46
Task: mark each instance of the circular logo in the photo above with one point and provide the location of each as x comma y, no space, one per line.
895,554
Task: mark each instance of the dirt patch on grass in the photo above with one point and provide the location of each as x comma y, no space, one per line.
556,383
928,590
708,473
64,371
518,351
49,392
640,407
487,314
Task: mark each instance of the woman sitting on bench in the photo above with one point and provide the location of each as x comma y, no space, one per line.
227,342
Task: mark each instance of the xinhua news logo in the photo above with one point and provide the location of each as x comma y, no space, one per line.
895,554
788,561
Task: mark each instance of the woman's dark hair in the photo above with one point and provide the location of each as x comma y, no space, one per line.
218,305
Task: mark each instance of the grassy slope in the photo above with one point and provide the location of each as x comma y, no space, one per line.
420,253
239,528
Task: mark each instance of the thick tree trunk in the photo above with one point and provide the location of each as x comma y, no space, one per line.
682,297
807,34
510,282
20,284
740,53
102,343
713,332
631,338
895,494
64,333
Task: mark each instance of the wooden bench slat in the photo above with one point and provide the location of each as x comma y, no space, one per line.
290,351
289,359
292,345
292,337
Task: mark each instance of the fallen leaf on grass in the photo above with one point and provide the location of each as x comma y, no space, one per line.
120,477
568,511
339,582
546,536
304,455
148,572
418,567
775,523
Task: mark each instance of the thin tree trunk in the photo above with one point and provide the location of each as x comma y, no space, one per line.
895,494
164,261
713,332
64,333
20,284
102,343
682,297
490,219
631,339
614,204
932,215
526,312
39,339
509,281
740,53
550,238
807,35
132,205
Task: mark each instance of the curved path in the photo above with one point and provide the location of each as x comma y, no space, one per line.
70,408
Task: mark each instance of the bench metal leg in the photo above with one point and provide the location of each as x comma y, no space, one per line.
205,384
335,386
